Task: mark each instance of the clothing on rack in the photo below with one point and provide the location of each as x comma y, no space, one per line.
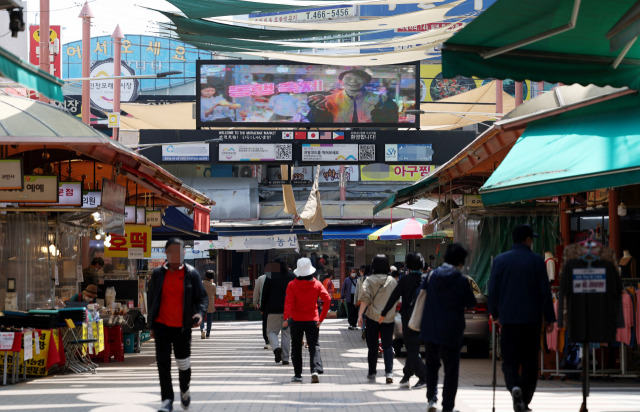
553,336
624,334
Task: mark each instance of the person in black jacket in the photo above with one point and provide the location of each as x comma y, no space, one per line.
519,298
407,287
273,293
177,302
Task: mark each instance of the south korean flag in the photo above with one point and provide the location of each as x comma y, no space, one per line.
287,135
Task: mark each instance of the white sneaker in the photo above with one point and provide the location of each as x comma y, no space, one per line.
389,377
404,383
167,406
431,406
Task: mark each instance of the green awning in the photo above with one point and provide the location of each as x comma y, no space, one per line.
30,76
595,147
404,195
217,8
582,54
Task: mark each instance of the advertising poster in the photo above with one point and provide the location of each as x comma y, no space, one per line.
238,152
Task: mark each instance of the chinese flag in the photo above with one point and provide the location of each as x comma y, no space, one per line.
301,135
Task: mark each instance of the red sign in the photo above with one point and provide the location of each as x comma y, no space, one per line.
201,220
54,49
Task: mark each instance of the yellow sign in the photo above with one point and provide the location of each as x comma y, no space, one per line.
394,173
472,201
100,343
36,366
114,120
135,236
52,35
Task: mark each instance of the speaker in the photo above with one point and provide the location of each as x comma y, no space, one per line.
245,171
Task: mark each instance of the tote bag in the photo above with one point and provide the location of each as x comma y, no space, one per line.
418,309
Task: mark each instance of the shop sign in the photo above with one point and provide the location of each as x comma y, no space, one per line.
11,174
153,218
113,196
408,153
185,152
473,200
221,290
380,172
91,199
249,242
36,189
102,90
113,120
331,174
236,292
141,217
69,194
329,152
332,13
239,152
130,214
136,236
54,48
6,340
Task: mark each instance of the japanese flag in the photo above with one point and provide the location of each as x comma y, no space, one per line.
313,135
287,135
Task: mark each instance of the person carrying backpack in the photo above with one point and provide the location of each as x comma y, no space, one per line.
407,288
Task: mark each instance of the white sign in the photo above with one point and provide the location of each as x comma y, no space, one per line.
221,290
316,14
245,281
236,292
114,120
28,345
36,337
37,189
102,90
141,216
241,152
6,340
408,152
135,253
130,214
91,199
153,218
185,152
592,280
329,152
79,274
227,285
11,174
331,174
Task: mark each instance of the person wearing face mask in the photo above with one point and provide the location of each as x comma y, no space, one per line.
348,296
88,295
177,302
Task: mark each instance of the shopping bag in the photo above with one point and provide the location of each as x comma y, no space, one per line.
418,308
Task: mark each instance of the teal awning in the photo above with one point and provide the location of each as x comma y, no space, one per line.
543,46
30,76
404,195
595,147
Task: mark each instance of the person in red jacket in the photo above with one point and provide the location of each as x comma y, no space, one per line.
301,310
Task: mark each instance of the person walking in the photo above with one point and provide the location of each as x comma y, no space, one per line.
449,292
374,295
177,302
257,295
273,295
347,293
406,289
210,288
301,307
519,298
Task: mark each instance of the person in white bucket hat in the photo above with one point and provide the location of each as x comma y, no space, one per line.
301,311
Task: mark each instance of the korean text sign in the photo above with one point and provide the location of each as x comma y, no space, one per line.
136,236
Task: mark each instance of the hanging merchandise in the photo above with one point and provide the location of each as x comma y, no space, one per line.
312,214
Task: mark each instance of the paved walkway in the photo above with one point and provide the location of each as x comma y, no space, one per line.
232,372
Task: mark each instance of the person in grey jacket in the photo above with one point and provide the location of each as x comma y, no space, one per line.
177,302
374,295
257,303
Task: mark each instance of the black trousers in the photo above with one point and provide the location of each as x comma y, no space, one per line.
520,349
385,332
413,364
265,315
352,314
165,338
450,357
311,331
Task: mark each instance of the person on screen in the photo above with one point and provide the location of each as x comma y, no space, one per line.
214,107
353,103
286,108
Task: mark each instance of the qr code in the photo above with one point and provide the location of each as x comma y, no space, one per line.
367,152
283,152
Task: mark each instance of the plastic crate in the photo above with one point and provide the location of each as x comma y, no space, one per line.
226,316
145,335
129,342
254,315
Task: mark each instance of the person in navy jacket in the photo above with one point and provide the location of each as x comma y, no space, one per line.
519,298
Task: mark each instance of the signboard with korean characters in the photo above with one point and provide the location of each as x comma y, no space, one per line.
240,152
91,199
379,172
329,152
11,174
69,194
153,218
185,152
135,236
37,189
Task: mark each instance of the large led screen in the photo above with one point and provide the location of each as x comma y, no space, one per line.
280,93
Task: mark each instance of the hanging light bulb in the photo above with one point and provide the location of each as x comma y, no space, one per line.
107,241
622,209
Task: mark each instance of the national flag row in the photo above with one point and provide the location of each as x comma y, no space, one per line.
313,135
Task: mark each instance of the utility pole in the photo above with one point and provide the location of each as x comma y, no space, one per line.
117,57
86,16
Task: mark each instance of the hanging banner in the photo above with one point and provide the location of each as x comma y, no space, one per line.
331,174
11,174
113,196
36,189
136,236
289,241
185,152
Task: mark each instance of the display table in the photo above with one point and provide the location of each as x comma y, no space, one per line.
44,352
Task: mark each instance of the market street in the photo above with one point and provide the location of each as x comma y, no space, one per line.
232,372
